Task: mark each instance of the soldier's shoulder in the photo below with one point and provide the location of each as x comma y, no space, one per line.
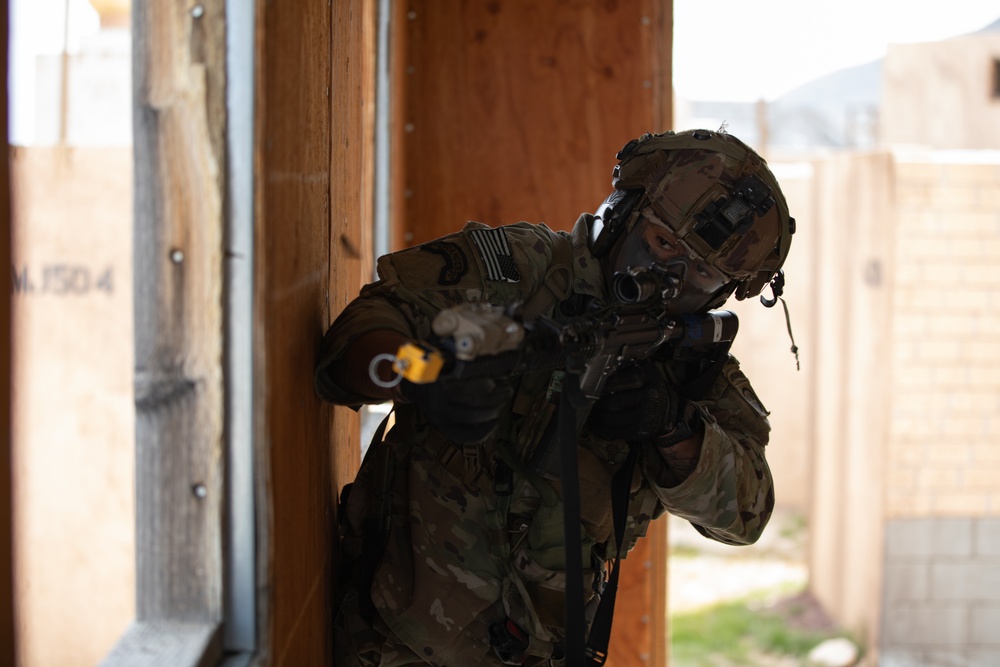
445,263
740,383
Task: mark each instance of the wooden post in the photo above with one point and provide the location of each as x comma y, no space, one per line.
514,110
314,142
179,124
179,185
291,271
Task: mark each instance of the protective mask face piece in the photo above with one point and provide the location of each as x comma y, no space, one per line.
654,246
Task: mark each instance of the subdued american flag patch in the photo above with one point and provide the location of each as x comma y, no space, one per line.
495,251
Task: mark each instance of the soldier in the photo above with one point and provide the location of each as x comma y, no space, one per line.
454,548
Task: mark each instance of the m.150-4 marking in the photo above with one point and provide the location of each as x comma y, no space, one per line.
61,279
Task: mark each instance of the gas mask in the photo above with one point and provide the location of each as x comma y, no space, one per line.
693,284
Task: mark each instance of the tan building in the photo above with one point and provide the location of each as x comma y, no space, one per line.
943,94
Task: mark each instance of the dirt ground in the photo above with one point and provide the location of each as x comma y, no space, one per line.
703,572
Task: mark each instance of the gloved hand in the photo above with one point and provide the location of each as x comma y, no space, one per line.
466,411
638,403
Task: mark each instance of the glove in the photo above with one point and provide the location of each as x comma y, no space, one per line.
638,403
466,411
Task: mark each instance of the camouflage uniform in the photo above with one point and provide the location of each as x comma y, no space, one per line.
474,533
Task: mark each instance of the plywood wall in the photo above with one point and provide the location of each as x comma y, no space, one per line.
74,481
513,110
6,541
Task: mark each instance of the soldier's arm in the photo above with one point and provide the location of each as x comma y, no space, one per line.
727,492
352,370
681,458
414,285
372,324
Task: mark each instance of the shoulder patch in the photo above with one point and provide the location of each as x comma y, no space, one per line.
497,257
741,384
754,402
456,264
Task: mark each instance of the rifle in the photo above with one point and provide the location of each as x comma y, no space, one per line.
478,340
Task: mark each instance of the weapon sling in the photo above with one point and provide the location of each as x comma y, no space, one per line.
572,410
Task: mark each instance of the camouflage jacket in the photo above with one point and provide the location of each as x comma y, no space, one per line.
475,532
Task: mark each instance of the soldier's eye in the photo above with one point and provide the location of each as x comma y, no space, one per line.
664,243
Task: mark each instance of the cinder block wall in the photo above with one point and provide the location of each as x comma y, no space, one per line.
941,578
944,433
941,592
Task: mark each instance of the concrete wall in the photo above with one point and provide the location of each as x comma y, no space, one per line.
853,274
763,347
942,94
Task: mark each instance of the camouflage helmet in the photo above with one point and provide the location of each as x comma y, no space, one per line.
716,195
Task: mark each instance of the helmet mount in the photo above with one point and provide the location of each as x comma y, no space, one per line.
734,214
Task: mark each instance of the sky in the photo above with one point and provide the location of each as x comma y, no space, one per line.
745,50
725,50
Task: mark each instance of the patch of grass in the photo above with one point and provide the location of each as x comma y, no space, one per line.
794,526
684,551
744,633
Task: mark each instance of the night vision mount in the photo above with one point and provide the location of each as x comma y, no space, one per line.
733,215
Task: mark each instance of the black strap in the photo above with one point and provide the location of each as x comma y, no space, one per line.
621,492
375,528
571,407
593,652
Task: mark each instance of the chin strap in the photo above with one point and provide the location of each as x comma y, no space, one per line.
777,285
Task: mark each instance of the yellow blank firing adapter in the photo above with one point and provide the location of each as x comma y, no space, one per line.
420,364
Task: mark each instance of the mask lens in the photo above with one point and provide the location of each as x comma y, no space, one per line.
670,254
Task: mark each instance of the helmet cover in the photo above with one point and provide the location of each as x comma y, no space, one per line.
717,196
